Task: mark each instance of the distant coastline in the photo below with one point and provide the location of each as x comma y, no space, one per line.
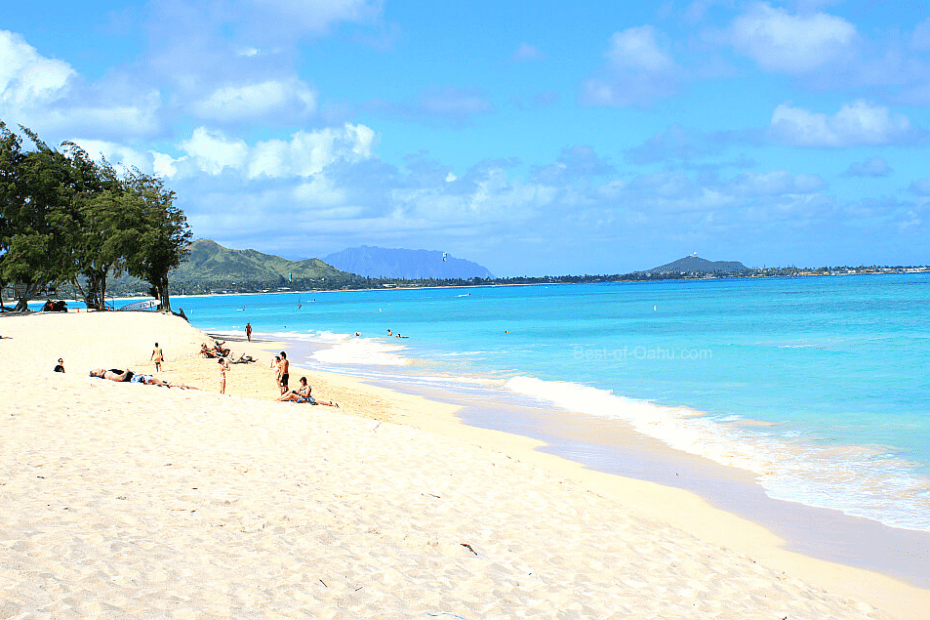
189,289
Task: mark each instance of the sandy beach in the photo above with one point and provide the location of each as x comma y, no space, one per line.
130,501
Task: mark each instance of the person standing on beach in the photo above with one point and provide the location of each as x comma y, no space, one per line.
285,367
158,356
224,366
248,331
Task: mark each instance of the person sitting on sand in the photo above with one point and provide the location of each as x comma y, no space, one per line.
120,376
302,395
205,352
220,349
60,367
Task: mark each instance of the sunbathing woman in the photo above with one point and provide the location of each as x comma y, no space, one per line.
120,376
302,395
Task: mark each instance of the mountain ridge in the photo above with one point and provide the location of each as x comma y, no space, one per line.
377,262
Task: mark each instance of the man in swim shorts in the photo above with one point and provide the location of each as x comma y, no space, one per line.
285,367
157,356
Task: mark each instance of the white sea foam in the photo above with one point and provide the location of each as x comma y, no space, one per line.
857,480
362,351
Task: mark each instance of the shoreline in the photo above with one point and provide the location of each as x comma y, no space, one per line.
186,482
809,540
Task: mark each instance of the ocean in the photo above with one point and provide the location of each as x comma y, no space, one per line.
819,387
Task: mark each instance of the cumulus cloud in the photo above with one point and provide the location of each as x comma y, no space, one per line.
857,123
27,78
306,153
213,152
872,167
785,43
269,100
637,71
49,96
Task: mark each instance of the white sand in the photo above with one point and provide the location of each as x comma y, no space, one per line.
128,501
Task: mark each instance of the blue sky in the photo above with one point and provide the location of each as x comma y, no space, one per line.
532,137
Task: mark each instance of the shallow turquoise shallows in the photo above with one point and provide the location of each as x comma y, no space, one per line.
819,386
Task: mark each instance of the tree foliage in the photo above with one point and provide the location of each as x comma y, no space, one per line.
65,218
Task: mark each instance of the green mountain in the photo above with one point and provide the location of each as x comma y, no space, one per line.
694,265
211,262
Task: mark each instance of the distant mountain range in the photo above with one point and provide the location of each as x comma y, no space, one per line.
374,262
211,262
694,265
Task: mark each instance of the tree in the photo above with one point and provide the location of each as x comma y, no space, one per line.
163,234
66,218
103,234
35,205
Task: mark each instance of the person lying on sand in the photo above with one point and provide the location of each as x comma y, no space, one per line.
243,359
120,376
128,376
302,395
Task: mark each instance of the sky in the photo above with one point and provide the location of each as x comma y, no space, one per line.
533,137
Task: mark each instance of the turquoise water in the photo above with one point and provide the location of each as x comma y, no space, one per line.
818,386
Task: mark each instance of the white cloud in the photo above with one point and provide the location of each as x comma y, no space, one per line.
637,49
921,187
857,123
920,39
637,71
527,52
116,154
269,99
785,43
776,183
308,153
213,152
311,15
27,78
872,167
164,165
